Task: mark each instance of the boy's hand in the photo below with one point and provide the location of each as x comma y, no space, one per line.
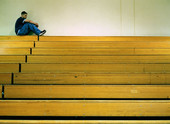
36,24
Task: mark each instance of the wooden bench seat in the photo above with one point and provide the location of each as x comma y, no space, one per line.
87,91
120,108
14,51
82,52
100,52
99,69
16,44
84,121
5,78
54,78
9,68
96,68
101,45
104,38
18,38
98,59
0,91
12,59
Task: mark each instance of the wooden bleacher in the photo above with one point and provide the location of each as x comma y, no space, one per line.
18,38
16,44
9,68
82,78
1,91
83,122
84,108
62,76
86,91
5,78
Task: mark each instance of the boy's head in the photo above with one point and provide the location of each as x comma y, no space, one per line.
24,14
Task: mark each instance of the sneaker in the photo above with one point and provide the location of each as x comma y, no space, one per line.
42,32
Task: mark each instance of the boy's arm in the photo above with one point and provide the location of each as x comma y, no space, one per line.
26,20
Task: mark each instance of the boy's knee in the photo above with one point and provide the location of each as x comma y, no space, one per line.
28,24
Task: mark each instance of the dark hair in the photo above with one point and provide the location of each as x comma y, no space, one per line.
23,12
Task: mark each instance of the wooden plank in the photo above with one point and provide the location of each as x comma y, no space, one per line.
104,38
14,51
85,121
87,91
54,78
9,68
21,38
0,91
102,45
96,68
12,59
101,52
16,44
81,68
5,78
164,68
82,52
98,59
152,51
85,108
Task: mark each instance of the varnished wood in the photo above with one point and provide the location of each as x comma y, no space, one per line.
84,121
5,78
0,91
49,78
96,68
104,38
109,54
87,91
16,44
12,59
85,108
101,52
102,45
98,59
9,68
19,38
152,51
14,51
82,52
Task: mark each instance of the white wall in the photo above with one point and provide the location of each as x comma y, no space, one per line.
90,17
